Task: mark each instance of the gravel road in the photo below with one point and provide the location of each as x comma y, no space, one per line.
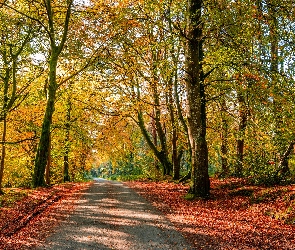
110,215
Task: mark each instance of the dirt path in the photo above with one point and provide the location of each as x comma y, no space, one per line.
112,216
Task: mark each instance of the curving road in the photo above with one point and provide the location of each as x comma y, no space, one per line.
110,215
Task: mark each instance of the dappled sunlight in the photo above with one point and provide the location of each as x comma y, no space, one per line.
112,216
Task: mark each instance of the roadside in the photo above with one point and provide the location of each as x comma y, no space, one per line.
237,215
27,216
109,215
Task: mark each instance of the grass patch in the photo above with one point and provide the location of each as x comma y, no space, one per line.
11,196
189,197
287,215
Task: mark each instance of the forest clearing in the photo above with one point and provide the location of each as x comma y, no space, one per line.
191,103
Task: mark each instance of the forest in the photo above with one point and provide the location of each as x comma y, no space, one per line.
189,103
147,89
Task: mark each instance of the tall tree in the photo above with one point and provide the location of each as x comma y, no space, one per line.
57,44
196,106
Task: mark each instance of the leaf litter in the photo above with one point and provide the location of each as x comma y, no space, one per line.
237,215
25,222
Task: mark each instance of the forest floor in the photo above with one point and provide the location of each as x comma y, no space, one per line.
237,215
27,216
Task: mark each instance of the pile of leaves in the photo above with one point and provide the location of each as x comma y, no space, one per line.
237,215
28,215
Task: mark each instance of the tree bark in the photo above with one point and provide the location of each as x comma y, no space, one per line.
43,147
8,101
161,156
3,152
241,134
175,158
283,167
48,164
200,183
279,140
155,141
167,168
66,175
224,141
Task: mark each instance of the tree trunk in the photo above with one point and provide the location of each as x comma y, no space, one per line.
47,169
155,141
241,135
67,142
175,158
279,140
181,118
161,156
7,104
3,152
283,168
200,183
224,141
43,147
167,168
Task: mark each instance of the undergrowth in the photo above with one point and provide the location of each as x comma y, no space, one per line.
12,195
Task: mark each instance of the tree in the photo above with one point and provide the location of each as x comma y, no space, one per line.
14,51
56,46
200,183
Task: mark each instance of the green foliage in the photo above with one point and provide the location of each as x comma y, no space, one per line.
11,196
212,170
125,170
82,176
260,171
189,197
18,171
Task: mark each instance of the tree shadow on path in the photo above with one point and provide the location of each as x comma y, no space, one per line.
112,216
